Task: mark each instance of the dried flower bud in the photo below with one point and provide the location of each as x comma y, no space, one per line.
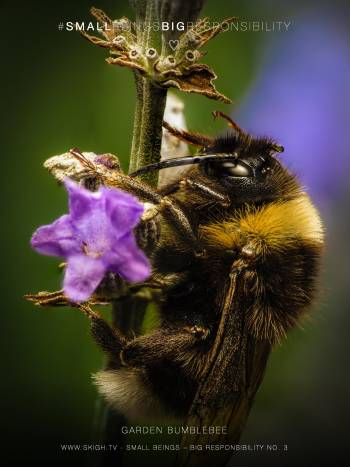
134,53
180,70
119,40
192,55
81,167
152,53
169,61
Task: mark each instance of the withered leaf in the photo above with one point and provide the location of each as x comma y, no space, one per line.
127,62
197,78
107,24
96,40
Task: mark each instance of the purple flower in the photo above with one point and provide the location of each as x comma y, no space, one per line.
95,237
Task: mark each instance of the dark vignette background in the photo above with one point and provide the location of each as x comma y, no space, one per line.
58,93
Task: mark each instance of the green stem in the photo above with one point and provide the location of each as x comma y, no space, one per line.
133,163
147,134
150,100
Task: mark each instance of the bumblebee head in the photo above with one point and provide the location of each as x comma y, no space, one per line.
240,156
246,168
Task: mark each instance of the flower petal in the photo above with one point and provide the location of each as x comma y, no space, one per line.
56,239
83,275
81,200
123,210
129,261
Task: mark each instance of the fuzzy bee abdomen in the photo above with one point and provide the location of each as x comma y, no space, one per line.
284,240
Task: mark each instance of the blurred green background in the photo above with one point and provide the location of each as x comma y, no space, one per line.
59,93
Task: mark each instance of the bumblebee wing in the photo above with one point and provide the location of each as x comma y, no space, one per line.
223,372
233,374
226,306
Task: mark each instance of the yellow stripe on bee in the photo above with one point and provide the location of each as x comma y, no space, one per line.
274,226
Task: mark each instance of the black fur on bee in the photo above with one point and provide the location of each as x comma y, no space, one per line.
238,236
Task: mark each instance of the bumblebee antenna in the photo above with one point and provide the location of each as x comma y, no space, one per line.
231,123
188,160
277,148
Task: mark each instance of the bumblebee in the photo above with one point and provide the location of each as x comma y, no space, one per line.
237,258
235,250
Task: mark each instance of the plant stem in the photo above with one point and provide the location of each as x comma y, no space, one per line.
150,99
147,134
133,163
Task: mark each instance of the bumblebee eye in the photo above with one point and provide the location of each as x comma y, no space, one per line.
236,169
228,169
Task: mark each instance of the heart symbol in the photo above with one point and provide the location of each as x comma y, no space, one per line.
173,44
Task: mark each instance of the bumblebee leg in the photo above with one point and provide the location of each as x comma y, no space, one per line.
169,209
191,138
175,215
48,298
165,344
109,339
59,299
199,188
134,187
197,331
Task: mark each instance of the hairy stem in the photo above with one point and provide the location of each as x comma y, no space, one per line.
147,133
150,99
